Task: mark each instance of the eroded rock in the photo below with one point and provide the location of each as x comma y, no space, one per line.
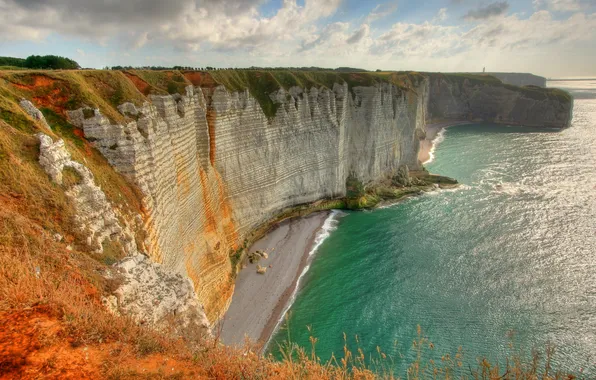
155,296
95,218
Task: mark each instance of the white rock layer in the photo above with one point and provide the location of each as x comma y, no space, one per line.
157,297
95,217
213,167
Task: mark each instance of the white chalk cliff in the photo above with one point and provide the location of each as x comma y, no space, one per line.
212,166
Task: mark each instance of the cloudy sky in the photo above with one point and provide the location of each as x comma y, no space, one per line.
548,37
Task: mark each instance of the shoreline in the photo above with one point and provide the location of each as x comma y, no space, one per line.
433,130
259,300
284,303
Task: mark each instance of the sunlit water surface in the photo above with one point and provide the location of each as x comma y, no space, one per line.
509,258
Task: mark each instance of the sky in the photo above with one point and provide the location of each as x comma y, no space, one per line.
553,38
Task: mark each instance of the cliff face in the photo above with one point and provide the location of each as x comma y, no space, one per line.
215,162
520,79
477,98
213,167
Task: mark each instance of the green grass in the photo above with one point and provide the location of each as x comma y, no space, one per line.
262,83
167,82
113,86
70,177
59,125
12,68
471,78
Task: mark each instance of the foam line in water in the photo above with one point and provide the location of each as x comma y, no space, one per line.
324,232
436,141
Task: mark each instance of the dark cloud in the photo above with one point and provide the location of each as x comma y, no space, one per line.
325,35
134,22
491,10
112,11
358,35
490,36
100,12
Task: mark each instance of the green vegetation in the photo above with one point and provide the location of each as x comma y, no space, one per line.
539,93
50,62
421,362
10,61
482,79
162,82
70,177
12,68
59,124
46,62
354,188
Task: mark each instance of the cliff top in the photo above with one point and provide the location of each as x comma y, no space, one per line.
106,89
59,90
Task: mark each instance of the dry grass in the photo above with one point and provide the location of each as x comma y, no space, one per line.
52,321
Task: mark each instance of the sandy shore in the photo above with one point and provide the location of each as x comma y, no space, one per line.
432,130
258,299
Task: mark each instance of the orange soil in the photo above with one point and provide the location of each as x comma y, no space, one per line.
211,116
219,241
34,344
202,79
53,99
38,81
141,85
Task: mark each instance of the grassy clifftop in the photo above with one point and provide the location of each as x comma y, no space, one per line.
532,92
106,89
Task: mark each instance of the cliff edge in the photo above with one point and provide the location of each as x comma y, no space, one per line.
200,160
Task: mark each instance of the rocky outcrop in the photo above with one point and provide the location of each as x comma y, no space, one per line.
477,98
95,218
154,296
188,218
148,293
32,111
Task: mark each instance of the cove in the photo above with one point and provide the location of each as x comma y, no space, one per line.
507,260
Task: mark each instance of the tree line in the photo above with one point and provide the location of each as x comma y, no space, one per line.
62,63
41,62
252,68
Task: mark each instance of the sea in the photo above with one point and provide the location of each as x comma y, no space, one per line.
504,266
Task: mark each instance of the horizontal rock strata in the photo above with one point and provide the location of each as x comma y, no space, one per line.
213,167
457,98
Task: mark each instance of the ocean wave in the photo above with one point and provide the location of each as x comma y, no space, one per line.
328,226
439,191
436,141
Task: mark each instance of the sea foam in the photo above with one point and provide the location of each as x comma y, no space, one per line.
436,141
324,232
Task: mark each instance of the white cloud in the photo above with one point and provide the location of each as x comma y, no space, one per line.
381,11
563,5
441,16
235,33
188,24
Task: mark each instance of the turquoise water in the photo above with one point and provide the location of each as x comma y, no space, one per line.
510,257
